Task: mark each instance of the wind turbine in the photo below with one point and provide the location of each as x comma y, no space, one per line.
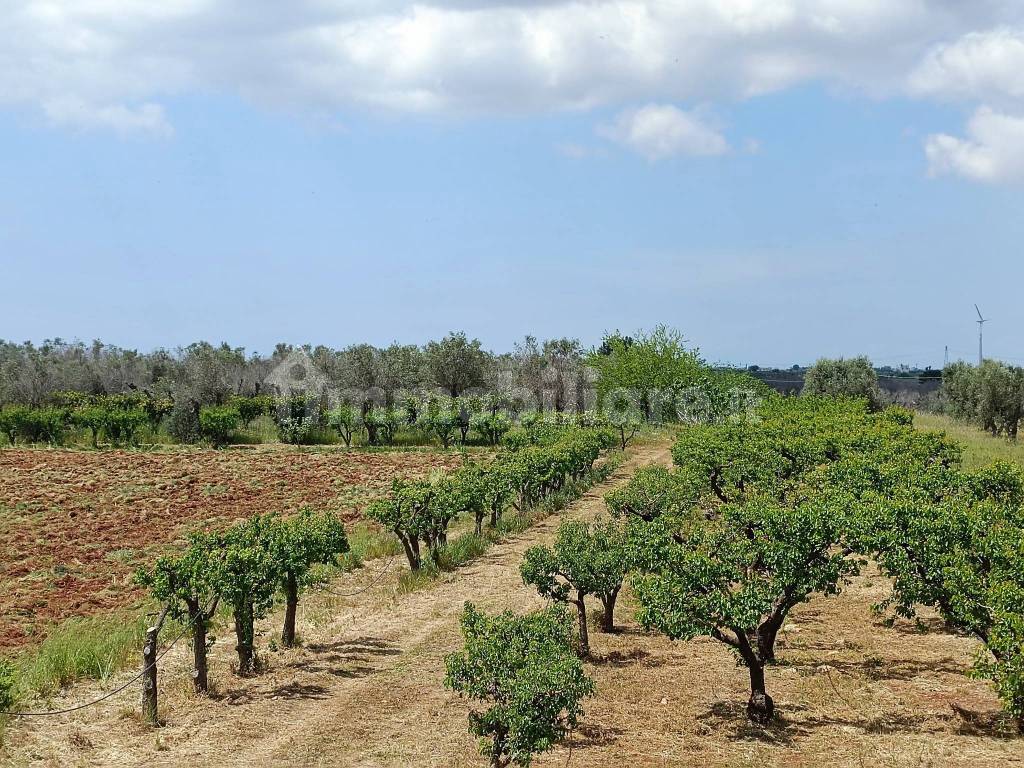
981,324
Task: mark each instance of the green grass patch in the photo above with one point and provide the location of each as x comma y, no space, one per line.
980,448
81,649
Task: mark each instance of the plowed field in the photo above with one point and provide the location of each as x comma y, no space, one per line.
75,524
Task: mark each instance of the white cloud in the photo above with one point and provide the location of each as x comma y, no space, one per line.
987,65
458,57
992,152
148,119
657,131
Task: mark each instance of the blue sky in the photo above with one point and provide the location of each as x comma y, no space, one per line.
860,206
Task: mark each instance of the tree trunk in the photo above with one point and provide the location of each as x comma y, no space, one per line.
581,608
291,593
412,550
200,669
760,707
479,526
244,639
200,672
608,619
766,634
498,757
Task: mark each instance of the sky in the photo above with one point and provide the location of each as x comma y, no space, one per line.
779,179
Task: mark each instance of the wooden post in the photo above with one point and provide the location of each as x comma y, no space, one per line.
149,648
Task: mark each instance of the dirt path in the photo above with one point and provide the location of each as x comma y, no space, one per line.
364,691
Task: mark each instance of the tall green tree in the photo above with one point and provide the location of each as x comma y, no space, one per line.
456,363
650,368
852,377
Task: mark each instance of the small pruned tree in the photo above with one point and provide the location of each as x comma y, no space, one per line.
251,408
498,487
91,417
584,560
406,512
188,585
492,426
345,421
249,578
524,672
439,417
298,543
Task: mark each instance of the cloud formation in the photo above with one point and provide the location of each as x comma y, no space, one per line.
992,152
115,63
657,131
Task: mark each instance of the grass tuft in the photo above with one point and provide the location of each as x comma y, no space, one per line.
79,649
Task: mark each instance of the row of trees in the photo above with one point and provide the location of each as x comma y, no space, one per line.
758,517
556,375
250,566
420,512
30,374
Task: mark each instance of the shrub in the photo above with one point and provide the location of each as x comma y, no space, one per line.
34,425
91,417
296,430
491,426
522,669
218,423
184,422
8,686
120,425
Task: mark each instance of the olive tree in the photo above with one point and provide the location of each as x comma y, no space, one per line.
455,363
522,669
853,377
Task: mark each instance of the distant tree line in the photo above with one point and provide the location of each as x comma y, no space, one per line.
31,374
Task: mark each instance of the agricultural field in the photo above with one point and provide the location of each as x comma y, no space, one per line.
75,524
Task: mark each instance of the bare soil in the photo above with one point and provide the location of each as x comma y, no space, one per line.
365,689
74,525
